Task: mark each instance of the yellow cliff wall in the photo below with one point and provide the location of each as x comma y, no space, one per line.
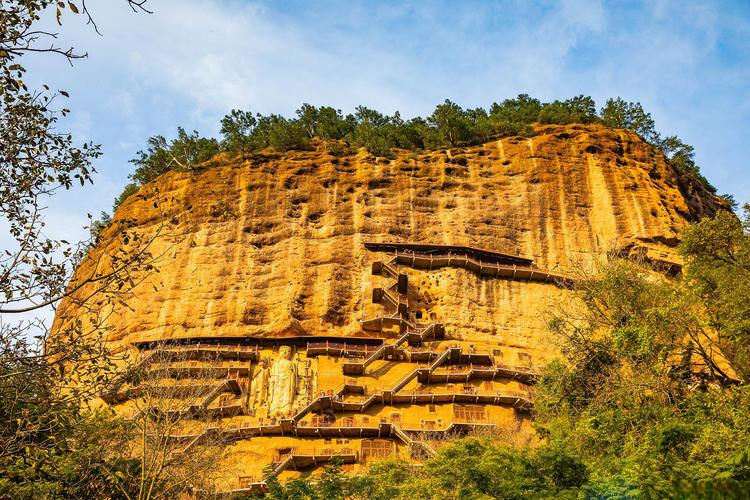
273,246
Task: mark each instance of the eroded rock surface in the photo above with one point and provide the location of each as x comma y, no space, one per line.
273,246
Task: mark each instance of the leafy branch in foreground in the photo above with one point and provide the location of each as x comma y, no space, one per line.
718,271
51,445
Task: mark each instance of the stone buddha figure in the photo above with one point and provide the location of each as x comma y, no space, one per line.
259,385
282,384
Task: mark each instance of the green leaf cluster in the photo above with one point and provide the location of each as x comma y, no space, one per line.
184,152
651,394
718,254
469,468
51,446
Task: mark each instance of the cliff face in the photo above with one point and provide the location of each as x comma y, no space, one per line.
262,263
273,245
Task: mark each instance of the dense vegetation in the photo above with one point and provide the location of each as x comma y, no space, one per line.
642,404
449,125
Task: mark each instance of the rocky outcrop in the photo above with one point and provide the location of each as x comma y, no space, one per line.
273,316
273,245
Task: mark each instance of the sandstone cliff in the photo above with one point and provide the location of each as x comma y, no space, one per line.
263,271
273,245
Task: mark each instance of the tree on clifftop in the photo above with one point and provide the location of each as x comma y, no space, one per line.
579,109
449,120
182,153
617,113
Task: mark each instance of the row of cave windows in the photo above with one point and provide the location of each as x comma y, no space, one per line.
461,413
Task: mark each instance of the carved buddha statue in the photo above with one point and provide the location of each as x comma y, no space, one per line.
282,384
259,385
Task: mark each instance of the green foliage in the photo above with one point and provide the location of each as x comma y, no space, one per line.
617,113
643,398
282,134
97,226
325,122
579,109
467,468
414,134
50,447
479,126
37,159
244,133
237,128
682,157
515,116
181,153
649,326
184,152
450,122
371,131
718,254
130,189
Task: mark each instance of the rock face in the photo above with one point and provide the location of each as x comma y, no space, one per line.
269,250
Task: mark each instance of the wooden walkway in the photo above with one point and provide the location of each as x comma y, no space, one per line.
414,334
206,392
335,403
482,262
407,337
300,459
428,249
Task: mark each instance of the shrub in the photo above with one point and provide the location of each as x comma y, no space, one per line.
182,153
450,122
130,188
579,109
617,113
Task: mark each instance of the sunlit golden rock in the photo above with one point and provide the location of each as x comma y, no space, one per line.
270,251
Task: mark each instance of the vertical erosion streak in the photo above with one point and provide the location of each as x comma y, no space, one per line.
501,150
242,267
562,238
295,251
338,276
445,215
602,218
552,206
639,222
412,221
535,207
173,281
631,175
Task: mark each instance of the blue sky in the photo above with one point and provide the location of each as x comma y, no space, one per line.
192,61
